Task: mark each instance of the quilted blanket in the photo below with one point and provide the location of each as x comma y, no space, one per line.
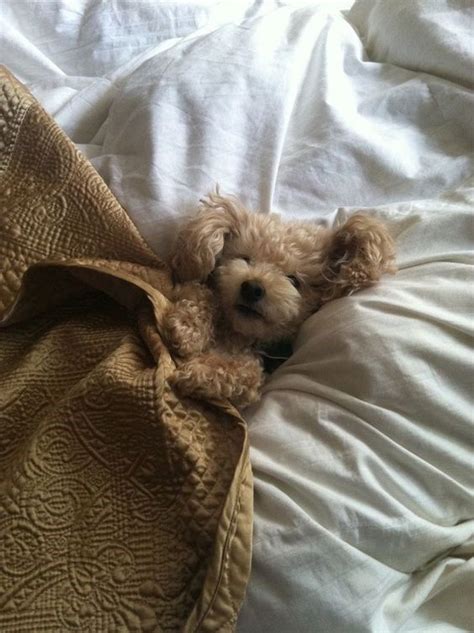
122,506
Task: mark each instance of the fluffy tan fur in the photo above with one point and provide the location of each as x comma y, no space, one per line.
299,266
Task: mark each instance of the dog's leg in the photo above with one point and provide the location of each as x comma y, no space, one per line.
238,379
188,326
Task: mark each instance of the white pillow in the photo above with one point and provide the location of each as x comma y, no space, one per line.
432,36
362,449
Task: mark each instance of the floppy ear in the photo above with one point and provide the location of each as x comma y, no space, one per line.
356,256
202,239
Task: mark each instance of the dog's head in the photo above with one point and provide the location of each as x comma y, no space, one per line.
270,274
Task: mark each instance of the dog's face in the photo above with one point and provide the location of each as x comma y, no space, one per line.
263,276
269,274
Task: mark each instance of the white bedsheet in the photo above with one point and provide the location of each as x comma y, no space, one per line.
275,103
363,449
362,445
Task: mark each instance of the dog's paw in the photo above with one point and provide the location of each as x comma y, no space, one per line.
212,377
188,328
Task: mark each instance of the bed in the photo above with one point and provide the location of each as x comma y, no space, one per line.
362,445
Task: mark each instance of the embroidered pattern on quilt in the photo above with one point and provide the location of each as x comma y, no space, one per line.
122,507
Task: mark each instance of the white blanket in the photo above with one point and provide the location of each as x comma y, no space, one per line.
362,445
363,449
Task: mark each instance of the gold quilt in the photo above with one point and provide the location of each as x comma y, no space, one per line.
122,507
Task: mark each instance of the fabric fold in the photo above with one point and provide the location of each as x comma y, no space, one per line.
122,506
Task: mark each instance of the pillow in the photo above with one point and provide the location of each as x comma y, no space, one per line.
432,36
362,448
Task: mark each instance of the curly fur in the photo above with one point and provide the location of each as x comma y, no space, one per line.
300,265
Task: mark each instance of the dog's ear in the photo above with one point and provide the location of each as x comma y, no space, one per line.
201,240
355,257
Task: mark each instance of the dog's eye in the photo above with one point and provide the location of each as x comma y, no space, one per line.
295,281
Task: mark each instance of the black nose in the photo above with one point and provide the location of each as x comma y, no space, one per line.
252,291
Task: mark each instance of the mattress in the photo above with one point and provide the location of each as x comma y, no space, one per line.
362,443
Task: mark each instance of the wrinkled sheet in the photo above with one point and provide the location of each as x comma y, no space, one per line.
363,448
363,506
275,103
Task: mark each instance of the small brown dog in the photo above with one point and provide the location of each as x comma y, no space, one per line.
246,279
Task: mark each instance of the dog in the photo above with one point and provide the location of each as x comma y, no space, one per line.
246,279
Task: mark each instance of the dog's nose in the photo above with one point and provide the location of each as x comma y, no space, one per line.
252,291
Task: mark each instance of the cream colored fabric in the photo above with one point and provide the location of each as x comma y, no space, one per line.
362,448
122,507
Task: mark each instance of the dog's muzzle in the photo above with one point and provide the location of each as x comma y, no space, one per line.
251,292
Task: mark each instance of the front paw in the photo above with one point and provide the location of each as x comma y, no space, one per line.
187,329
212,377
